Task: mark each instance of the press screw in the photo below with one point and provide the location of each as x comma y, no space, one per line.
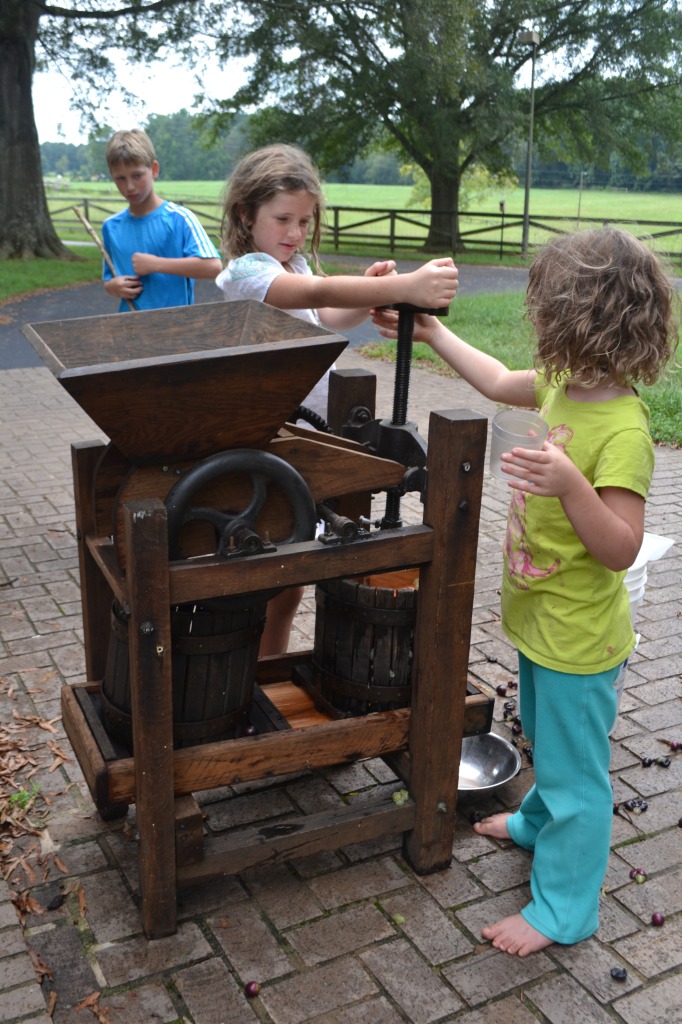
146,629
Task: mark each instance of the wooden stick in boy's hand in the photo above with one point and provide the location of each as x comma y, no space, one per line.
95,237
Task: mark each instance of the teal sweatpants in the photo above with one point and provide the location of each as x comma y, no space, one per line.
566,817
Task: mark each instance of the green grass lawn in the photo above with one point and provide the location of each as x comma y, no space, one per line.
23,277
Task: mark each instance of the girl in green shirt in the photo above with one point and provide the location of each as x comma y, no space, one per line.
602,309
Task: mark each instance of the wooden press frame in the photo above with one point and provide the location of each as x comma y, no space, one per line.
422,743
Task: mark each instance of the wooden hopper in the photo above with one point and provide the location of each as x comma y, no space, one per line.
190,381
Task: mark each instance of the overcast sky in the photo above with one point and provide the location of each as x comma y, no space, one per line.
166,90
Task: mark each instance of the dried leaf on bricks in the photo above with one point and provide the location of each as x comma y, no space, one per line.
39,966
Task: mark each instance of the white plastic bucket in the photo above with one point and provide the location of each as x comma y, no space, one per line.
634,607
619,684
635,584
653,547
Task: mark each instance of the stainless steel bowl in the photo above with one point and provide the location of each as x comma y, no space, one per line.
488,761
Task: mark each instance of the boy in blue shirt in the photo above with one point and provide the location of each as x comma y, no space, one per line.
157,247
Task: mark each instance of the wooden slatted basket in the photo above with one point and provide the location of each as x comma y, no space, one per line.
214,656
364,630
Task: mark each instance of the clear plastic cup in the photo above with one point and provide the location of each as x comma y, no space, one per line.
514,428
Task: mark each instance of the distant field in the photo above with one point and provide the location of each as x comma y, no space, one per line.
608,205
638,212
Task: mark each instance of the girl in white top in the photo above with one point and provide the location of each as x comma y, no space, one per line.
273,203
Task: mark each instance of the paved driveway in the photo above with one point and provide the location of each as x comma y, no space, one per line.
92,300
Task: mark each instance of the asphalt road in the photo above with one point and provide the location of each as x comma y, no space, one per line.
91,300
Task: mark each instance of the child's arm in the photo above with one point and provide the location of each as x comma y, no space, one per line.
608,521
432,285
485,373
182,266
345,319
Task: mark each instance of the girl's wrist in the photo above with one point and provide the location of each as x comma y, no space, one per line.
433,331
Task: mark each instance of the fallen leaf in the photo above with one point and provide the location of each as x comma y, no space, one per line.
56,750
90,1000
39,966
48,726
82,901
28,870
51,1003
26,904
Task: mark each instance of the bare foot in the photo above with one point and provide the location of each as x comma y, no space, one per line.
515,936
495,826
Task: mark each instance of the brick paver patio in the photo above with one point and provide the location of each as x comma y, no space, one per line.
350,937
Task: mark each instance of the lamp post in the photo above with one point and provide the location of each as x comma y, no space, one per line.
533,38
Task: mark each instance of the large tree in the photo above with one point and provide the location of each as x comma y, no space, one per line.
438,78
80,38
444,80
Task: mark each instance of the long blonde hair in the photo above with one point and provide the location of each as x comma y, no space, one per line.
258,177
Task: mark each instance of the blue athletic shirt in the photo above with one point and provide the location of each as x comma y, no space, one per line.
171,231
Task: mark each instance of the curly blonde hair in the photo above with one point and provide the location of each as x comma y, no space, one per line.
257,178
602,307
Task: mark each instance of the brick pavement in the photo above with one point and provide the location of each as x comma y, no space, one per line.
320,934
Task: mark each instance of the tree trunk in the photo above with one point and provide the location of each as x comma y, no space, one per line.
444,224
25,227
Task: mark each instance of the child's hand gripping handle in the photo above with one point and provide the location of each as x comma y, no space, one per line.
407,307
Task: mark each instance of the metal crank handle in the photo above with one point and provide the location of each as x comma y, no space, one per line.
407,307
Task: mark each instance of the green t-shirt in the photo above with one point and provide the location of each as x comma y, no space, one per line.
561,607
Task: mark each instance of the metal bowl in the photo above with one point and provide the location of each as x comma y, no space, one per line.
487,762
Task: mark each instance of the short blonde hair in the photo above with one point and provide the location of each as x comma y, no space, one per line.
258,177
130,147
602,306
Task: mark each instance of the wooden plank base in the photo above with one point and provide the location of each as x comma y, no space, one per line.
279,705
298,837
